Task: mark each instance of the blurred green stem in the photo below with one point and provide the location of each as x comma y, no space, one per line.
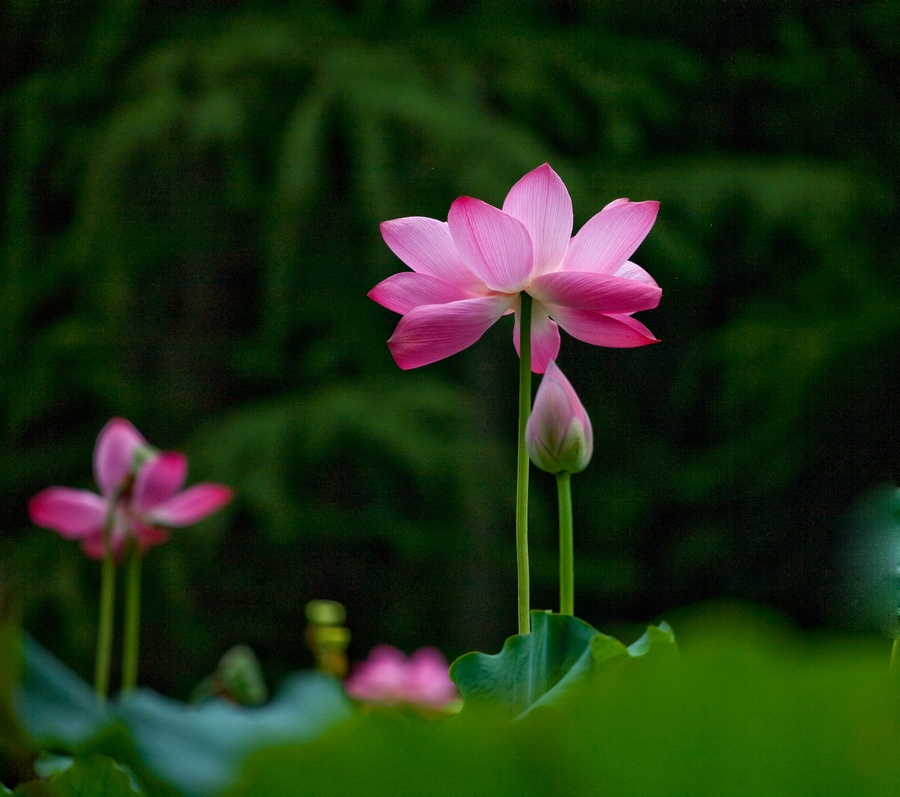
132,620
566,547
107,605
523,464
895,661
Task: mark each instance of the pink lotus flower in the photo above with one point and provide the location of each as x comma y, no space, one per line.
141,485
559,436
390,678
471,269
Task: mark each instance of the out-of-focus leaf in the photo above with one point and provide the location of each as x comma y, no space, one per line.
194,749
389,755
13,740
200,748
55,705
870,562
88,776
34,788
754,711
93,776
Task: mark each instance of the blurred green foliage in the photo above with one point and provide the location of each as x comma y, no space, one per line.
191,197
744,705
753,710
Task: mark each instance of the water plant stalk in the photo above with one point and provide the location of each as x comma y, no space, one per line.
132,620
107,606
566,544
523,464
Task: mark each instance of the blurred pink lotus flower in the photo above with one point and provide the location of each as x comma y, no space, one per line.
559,436
471,269
390,678
140,483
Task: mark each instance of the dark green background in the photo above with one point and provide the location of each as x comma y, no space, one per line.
191,197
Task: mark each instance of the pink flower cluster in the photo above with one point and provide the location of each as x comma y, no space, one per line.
139,485
469,271
390,678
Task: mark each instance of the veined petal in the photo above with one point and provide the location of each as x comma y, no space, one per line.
615,331
599,293
495,246
72,513
541,202
158,479
433,332
426,246
544,338
610,237
195,503
406,290
114,453
615,203
632,271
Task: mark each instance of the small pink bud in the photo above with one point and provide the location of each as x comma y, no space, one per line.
559,436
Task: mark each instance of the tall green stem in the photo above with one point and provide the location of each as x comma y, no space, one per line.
566,547
523,463
107,605
132,620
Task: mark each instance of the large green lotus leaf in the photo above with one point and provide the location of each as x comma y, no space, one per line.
171,747
561,657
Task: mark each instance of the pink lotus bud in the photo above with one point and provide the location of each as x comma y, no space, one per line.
559,436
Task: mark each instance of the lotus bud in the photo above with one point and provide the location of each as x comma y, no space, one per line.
559,437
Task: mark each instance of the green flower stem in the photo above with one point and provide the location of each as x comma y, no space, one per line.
566,548
107,606
523,464
895,661
132,620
